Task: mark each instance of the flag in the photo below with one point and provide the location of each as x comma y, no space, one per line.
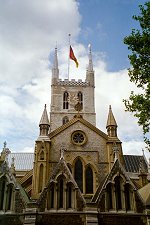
72,56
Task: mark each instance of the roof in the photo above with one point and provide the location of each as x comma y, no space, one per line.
132,163
22,161
145,193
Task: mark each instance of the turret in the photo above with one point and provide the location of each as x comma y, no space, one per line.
111,124
90,71
55,70
44,123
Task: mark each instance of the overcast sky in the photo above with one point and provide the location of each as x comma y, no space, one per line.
29,31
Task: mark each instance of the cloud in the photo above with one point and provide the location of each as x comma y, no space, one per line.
29,32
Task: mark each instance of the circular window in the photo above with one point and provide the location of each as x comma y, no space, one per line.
78,138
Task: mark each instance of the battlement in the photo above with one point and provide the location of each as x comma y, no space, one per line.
72,82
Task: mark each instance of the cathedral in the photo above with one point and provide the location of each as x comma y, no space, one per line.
77,174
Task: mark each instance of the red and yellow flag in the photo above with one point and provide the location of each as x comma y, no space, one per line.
72,56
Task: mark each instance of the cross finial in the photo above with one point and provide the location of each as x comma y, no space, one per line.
116,150
5,144
62,152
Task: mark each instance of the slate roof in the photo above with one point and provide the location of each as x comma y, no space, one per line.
132,163
23,161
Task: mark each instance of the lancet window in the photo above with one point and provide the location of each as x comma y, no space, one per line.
118,192
78,174
2,191
127,197
6,195
41,170
109,196
61,194
89,180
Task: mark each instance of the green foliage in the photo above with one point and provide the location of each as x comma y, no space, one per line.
139,45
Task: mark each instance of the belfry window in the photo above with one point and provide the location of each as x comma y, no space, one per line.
65,120
80,98
89,180
65,100
79,174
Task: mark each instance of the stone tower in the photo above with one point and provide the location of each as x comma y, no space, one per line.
65,94
41,156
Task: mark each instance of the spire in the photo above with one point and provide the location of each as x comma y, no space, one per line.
111,124
55,70
44,123
44,118
90,71
90,66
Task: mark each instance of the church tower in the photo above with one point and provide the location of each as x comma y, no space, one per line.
41,156
65,94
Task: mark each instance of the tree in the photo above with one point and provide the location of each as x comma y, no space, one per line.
139,44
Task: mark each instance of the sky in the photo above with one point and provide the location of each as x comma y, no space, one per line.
29,32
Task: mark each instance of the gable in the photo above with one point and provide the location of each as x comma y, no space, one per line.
61,185
73,121
95,143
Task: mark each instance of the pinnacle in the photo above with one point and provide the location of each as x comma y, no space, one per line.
90,66
44,118
111,119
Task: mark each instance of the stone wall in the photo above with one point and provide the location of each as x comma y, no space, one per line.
60,219
11,219
121,219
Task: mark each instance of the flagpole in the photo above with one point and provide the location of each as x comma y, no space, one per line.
69,56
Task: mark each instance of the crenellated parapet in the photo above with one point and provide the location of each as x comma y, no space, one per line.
72,82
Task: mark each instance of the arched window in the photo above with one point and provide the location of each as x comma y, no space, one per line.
80,98
41,170
60,192
118,192
78,174
69,196
109,196
127,197
65,120
9,197
52,196
42,155
2,191
89,180
65,100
